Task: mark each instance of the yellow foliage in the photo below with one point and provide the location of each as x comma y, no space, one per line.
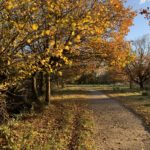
73,33
29,41
60,73
52,43
35,26
67,47
47,32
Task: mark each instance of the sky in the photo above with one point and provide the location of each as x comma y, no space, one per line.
140,26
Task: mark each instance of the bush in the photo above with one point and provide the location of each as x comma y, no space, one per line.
145,93
116,88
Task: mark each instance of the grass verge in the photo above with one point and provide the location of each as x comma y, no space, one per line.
61,126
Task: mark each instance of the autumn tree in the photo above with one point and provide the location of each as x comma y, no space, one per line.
139,69
44,36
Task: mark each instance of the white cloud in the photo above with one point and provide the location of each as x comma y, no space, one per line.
144,1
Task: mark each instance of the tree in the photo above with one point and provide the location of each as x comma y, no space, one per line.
139,69
146,13
44,36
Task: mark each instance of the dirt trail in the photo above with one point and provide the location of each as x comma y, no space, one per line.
116,127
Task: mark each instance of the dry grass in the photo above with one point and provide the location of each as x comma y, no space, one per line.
75,92
63,125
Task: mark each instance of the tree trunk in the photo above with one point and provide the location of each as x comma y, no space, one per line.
48,89
141,85
41,84
131,84
57,82
34,89
62,84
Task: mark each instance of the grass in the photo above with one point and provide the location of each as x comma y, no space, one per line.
63,125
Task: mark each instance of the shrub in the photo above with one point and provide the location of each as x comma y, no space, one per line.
116,88
145,93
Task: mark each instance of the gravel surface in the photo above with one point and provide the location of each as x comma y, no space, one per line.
116,127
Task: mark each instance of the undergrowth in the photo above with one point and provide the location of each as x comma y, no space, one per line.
58,127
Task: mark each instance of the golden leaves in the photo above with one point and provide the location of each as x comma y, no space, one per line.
10,5
47,32
60,73
35,27
66,47
77,39
73,33
43,62
73,25
8,62
69,43
52,43
29,41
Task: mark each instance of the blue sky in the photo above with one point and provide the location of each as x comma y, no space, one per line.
140,26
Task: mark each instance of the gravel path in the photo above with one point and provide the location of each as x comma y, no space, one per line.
116,127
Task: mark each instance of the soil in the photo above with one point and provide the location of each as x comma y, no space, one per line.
116,127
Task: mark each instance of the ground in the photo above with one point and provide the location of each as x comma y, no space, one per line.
117,128
118,124
82,118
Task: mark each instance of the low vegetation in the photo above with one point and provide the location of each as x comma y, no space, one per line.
60,126
65,124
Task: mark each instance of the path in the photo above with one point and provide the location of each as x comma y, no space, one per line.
116,127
